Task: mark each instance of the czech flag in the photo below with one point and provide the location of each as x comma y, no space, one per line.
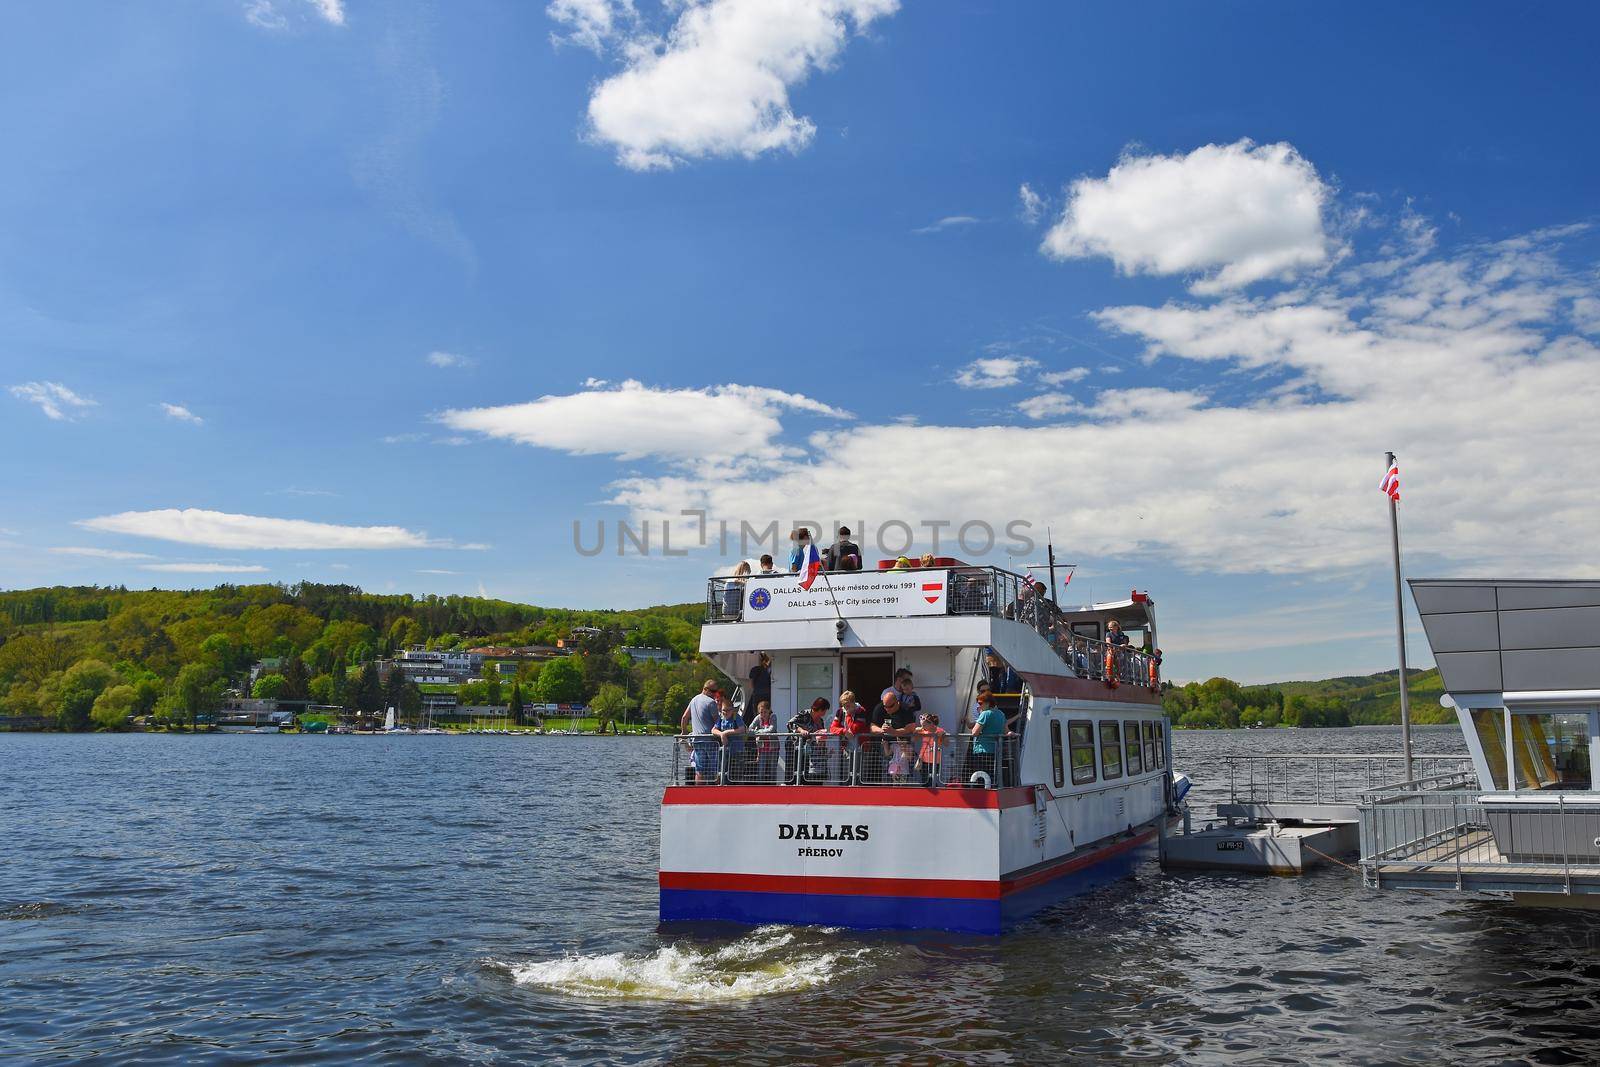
810,565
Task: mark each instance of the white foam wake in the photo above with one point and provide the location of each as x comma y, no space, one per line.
758,964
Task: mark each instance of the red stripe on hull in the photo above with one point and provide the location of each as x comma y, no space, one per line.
1069,864
945,888
850,796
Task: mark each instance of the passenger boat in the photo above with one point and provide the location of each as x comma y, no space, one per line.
968,834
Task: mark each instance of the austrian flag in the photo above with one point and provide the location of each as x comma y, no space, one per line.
1391,482
931,591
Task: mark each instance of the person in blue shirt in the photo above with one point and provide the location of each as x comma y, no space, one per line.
797,551
986,735
698,719
729,732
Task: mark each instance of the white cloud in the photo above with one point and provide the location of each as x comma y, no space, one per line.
1231,214
264,14
99,553
330,10
1466,364
1144,402
270,14
633,420
204,568
590,23
1048,405
1030,205
218,529
994,372
54,399
181,413
435,570
946,223
449,359
1064,377
717,85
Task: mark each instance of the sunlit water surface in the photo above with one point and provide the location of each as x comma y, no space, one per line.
492,900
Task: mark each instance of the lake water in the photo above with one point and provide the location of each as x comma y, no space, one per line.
169,899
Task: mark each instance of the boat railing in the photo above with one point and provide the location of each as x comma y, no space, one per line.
925,760
997,593
1333,779
1545,835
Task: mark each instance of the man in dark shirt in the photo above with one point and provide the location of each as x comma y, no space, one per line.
844,554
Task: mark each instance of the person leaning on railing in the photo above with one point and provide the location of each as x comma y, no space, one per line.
930,750
763,731
733,590
729,731
987,735
806,728
698,719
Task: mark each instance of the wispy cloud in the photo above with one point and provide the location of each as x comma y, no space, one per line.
449,359
99,553
947,223
54,399
217,529
181,413
204,568
435,570
994,372
1030,205
296,491
273,14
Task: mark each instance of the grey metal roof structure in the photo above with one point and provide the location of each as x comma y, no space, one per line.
1494,635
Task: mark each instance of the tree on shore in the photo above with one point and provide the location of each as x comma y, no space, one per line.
608,704
113,707
514,706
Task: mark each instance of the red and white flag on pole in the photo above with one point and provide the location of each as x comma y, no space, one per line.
1391,481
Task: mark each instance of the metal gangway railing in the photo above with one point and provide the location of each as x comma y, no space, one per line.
1001,594
1330,779
940,761
1446,833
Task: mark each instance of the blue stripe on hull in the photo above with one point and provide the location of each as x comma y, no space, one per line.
1018,906
823,909
860,912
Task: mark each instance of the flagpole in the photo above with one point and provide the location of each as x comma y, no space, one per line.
1400,626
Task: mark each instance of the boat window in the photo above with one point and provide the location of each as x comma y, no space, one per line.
1110,750
1080,742
1489,724
1055,752
1550,750
1161,746
1135,764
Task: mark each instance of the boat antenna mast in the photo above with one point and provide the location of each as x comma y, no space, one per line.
1050,563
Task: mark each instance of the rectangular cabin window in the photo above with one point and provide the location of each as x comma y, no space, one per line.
1147,730
1161,746
1135,764
1055,752
1080,746
1110,750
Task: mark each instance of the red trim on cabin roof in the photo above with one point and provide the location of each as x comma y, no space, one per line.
1054,685
850,796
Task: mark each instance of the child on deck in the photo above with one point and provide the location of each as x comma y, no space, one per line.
930,750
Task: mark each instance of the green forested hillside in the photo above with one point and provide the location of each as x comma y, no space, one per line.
1364,700
85,657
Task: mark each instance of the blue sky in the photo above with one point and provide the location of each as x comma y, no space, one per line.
283,282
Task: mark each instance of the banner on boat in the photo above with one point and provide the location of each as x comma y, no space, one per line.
852,594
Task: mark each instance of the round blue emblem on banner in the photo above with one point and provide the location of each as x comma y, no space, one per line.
760,598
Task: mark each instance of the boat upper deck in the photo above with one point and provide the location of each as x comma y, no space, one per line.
950,604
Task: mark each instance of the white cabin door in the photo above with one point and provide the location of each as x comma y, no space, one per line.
815,678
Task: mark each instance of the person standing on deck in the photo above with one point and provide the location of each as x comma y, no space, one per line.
987,734
797,551
844,554
701,717
760,686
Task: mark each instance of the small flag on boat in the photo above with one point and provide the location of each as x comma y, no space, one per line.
1391,481
810,565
